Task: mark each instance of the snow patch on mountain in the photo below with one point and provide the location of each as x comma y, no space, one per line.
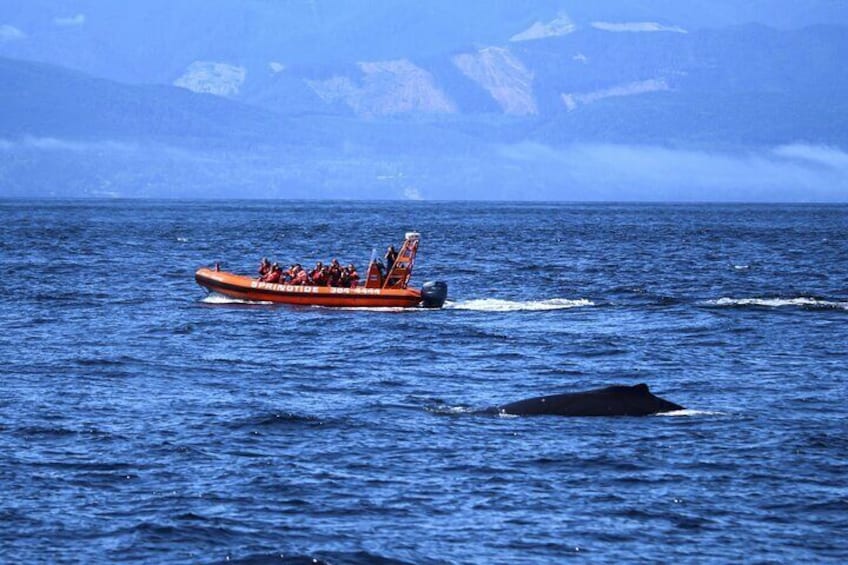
220,79
636,27
386,88
503,75
574,99
561,25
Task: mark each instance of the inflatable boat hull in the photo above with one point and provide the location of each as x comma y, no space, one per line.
246,288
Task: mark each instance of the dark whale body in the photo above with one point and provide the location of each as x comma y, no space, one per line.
616,400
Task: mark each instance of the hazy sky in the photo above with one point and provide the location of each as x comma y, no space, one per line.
553,99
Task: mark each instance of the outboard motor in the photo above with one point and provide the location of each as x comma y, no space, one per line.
434,294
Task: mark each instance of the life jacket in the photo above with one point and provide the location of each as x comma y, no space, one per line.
272,277
354,279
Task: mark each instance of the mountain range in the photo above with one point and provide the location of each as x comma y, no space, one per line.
494,100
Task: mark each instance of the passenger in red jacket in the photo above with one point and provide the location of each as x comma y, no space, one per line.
352,276
319,276
273,275
316,271
299,276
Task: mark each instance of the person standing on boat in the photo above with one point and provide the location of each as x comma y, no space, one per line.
391,257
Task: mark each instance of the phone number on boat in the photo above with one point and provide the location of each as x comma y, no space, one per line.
313,289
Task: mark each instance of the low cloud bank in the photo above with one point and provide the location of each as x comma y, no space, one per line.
10,33
70,21
58,144
796,172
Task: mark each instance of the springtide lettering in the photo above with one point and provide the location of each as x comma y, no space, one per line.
313,289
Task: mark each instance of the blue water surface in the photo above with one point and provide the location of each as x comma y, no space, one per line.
141,420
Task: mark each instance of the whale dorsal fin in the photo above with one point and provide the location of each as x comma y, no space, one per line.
641,388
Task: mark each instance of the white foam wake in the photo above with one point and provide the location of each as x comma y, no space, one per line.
689,412
382,309
215,298
497,305
800,302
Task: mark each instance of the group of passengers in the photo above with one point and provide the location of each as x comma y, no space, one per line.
322,275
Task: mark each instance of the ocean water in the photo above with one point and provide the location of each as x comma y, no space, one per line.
141,420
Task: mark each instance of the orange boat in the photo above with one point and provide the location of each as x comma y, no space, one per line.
389,291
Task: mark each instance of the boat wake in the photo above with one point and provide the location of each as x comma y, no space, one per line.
380,309
214,298
800,302
497,305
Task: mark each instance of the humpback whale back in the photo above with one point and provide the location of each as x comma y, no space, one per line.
617,400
